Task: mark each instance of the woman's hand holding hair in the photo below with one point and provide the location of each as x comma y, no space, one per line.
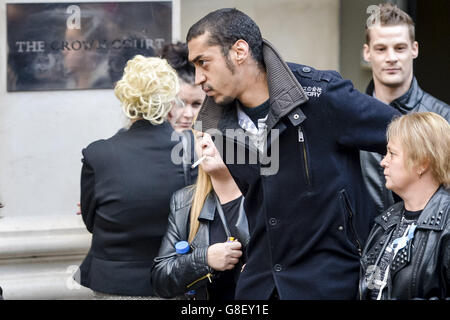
224,255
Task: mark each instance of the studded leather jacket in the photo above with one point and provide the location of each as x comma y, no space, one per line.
421,270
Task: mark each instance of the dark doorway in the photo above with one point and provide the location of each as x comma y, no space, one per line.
432,67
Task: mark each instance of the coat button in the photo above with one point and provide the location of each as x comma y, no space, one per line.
277,267
306,69
273,222
341,228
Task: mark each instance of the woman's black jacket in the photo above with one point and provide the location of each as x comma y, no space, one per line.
420,270
174,274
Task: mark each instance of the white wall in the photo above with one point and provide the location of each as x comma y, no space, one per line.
41,138
303,31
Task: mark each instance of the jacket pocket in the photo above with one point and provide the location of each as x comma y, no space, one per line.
304,156
349,213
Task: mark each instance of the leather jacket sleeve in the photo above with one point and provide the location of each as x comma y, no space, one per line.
446,262
172,272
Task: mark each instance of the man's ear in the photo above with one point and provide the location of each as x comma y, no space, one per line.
241,51
415,49
366,52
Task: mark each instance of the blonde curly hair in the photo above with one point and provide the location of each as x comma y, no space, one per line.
147,89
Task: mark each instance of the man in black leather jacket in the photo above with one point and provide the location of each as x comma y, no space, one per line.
390,48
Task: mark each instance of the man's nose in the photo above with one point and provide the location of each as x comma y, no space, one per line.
392,55
199,77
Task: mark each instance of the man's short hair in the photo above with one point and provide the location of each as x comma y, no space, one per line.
390,15
225,27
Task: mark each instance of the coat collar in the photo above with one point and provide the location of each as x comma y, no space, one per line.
407,102
433,216
209,208
143,123
285,92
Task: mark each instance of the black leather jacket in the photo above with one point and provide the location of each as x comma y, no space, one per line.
414,100
174,274
421,270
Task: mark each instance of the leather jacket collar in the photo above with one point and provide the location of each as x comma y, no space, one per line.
209,208
431,218
407,102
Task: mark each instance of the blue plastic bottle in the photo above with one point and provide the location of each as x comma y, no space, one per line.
182,247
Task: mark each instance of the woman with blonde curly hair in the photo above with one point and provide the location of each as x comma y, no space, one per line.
407,254
126,184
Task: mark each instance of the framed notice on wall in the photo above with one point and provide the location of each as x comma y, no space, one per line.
61,46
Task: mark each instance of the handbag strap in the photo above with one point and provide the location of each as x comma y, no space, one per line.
222,216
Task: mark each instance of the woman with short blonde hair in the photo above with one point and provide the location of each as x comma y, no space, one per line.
425,138
407,253
147,89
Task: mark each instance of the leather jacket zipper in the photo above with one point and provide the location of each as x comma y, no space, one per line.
301,139
208,275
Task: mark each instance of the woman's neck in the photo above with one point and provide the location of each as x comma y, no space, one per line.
418,195
225,187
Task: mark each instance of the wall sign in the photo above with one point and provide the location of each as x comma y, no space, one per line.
59,46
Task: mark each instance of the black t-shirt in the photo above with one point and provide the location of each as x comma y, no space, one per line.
258,112
224,283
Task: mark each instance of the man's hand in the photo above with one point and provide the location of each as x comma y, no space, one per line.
224,256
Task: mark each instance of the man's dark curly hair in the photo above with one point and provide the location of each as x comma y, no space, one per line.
225,27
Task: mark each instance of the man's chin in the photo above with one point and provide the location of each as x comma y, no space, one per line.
223,101
393,82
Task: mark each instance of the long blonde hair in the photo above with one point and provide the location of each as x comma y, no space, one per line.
203,188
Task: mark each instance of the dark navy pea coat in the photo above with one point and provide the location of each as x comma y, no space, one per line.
308,220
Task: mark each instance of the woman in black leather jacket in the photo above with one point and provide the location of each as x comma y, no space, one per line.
407,254
207,215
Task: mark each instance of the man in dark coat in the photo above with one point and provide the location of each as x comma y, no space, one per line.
290,136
